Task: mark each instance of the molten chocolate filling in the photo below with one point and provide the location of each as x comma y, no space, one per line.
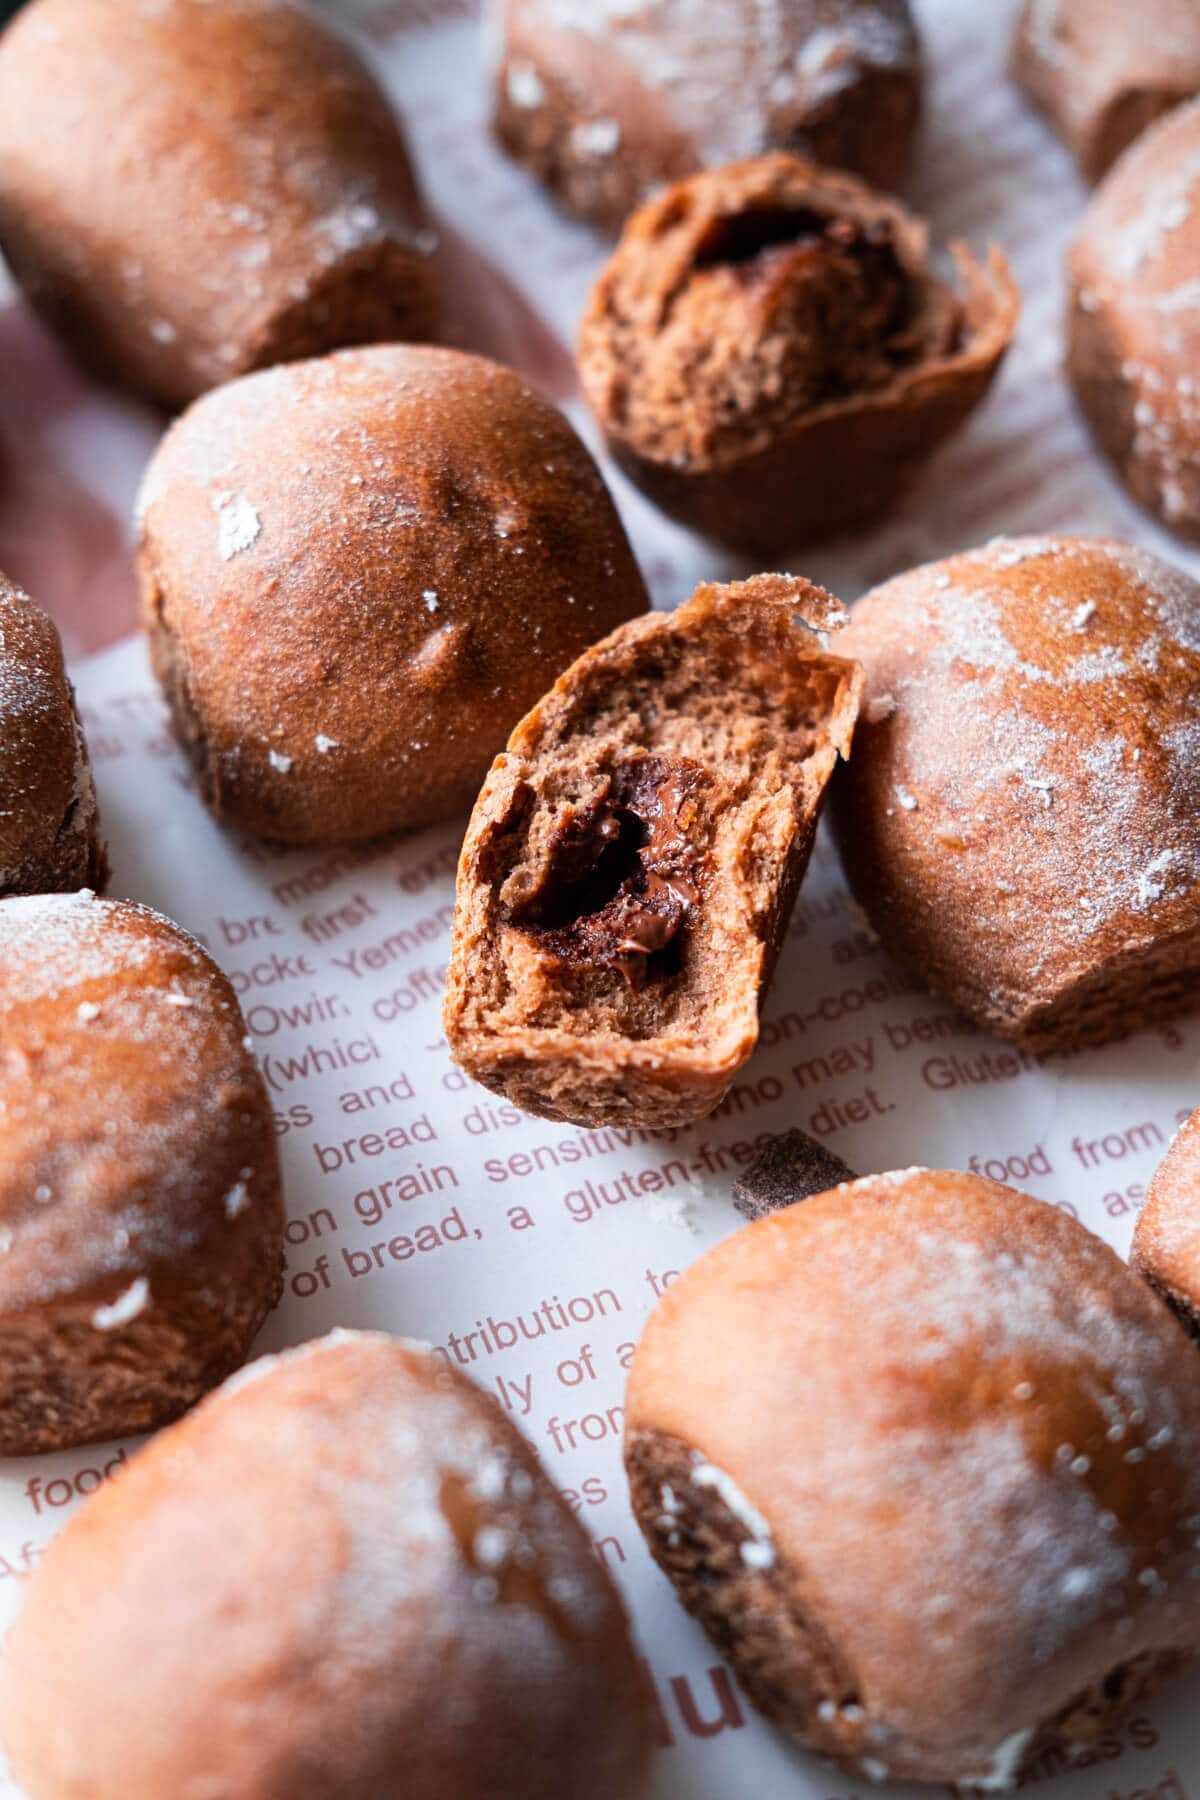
623,871
799,308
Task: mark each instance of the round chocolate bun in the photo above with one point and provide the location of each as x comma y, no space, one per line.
345,1577
141,1226
1166,1244
606,101
190,190
923,1457
50,834
771,357
1103,73
1133,345
359,572
1021,815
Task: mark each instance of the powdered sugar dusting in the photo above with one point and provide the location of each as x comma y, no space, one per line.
671,1209
597,137
238,525
91,990
1168,1233
1102,824
1134,264
432,1491
524,85
50,943
761,1551
125,1308
237,1200
722,69
756,1555
1001,1771
991,1502
1145,234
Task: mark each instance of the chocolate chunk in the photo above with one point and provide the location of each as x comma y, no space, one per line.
792,1166
832,288
623,871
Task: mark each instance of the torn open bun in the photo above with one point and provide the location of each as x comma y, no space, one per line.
770,355
634,855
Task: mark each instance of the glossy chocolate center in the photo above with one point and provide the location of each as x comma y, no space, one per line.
625,870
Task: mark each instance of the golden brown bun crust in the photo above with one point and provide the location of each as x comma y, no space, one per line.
345,1577
50,837
190,190
728,703
1021,819
1103,73
924,1456
358,572
607,102
1133,342
726,358
141,1223
1166,1244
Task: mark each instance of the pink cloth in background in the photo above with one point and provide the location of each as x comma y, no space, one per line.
62,542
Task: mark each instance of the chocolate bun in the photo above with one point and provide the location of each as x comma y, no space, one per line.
1021,820
357,574
606,101
1166,1244
923,1457
141,1227
771,358
633,857
50,835
189,190
1133,333
345,1577
1103,73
